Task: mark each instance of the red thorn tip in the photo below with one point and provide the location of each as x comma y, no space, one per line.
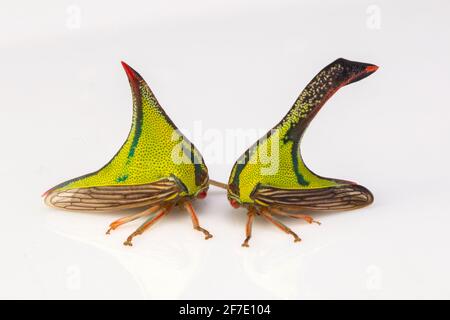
130,72
371,68
234,203
202,195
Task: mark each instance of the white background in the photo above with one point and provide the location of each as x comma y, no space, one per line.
65,108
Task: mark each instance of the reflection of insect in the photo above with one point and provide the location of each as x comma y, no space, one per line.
156,167
292,187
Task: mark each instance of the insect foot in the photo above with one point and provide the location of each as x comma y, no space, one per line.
188,206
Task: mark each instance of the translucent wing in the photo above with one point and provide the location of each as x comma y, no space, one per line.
342,197
114,197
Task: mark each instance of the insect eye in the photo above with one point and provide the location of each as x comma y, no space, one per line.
202,195
234,203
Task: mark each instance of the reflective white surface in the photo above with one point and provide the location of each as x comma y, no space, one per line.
65,107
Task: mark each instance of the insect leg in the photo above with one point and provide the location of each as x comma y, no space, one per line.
114,225
195,222
147,224
248,228
265,214
307,218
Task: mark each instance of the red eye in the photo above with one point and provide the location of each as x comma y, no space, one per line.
234,203
201,195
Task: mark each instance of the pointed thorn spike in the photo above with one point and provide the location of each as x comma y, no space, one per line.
131,74
128,243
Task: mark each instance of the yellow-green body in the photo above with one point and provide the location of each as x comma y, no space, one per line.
285,176
275,160
154,150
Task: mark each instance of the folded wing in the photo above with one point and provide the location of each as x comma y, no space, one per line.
114,197
342,197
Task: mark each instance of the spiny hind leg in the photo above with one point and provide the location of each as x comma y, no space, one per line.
188,206
114,225
266,215
147,224
305,217
248,227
